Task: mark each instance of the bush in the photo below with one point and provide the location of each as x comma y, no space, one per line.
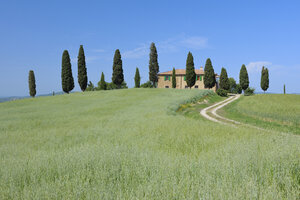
222,93
148,84
238,89
249,91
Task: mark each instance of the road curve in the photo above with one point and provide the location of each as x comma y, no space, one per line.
212,110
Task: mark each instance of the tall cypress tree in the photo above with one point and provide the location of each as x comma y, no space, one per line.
224,82
102,85
31,81
209,75
153,65
264,82
137,78
190,75
284,89
173,78
117,76
66,73
82,74
244,78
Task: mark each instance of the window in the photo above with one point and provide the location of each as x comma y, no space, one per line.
166,86
167,78
200,78
196,86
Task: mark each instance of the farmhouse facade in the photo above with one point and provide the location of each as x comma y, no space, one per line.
165,79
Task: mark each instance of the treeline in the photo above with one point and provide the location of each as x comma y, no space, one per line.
67,80
229,85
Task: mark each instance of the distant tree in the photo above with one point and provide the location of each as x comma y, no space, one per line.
90,86
137,78
66,73
244,78
32,86
209,75
190,75
264,82
153,65
102,84
82,74
117,76
284,89
224,82
173,78
232,85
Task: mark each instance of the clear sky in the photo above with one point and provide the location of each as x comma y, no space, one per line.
33,35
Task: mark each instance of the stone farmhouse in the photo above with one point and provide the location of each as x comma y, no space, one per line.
165,79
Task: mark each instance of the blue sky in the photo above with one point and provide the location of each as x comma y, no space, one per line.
33,35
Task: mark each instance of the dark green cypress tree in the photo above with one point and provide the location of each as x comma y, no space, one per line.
153,65
102,85
137,78
264,82
244,78
190,75
209,75
66,73
31,81
224,82
173,78
284,89
82,74
117,76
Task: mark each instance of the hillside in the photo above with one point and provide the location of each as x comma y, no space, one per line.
272,111
131,144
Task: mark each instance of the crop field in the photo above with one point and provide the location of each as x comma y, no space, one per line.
132,144
272,111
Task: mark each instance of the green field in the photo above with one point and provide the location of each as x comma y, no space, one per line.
272,111
132,144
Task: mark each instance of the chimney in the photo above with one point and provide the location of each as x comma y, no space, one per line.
201,68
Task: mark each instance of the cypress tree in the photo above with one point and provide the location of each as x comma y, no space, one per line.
284,89
66,73
173,78
31,81
153,65
137,78
190,75
117,76
224,82
102,85
264,82
244,78
82,74
209,75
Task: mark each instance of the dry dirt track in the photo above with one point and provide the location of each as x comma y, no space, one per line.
210,112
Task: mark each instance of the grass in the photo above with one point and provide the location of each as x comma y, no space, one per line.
131,144
272,111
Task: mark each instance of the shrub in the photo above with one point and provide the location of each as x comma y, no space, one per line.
112,86
249,91
238,89
148,84
222,92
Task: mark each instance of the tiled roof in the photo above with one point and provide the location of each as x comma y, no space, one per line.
181,72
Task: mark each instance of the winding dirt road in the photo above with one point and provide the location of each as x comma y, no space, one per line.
210,112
